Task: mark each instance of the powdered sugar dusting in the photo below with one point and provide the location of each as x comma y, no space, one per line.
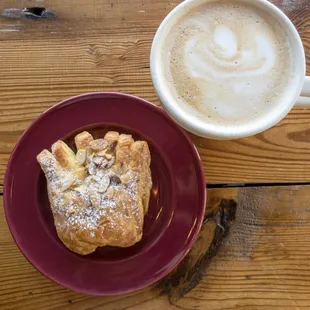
94,192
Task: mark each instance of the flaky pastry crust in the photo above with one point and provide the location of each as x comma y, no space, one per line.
99,195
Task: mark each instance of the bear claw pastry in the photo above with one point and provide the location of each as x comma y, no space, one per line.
99,195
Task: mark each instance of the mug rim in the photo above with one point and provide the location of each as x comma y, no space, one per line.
224,132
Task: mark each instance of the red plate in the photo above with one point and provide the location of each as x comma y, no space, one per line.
176,207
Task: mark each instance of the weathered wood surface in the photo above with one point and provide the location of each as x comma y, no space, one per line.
263,263
104,46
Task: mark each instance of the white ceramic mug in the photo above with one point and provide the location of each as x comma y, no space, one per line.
299,91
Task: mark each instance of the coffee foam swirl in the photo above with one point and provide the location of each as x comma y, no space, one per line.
221,58
227,62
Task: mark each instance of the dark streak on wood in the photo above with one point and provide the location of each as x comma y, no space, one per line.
300,136
31,13
254,185
191,270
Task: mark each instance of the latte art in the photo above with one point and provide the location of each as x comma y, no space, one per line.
227,62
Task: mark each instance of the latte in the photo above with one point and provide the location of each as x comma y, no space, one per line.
227,62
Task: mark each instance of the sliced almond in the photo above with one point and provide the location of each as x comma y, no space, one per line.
89,155
108,156
104,184
97,178
125,178
101,153
95,197
81,156
65,182
92,168
100,173
93,185
98,145
79,176
71,210
88,179
110,192
78,199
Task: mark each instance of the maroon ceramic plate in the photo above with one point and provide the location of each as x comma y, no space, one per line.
176,206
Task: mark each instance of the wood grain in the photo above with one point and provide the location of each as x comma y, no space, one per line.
105,46
262,264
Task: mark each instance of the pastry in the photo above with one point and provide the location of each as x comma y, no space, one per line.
99,195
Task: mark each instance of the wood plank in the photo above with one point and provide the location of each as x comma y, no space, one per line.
262,264
104,46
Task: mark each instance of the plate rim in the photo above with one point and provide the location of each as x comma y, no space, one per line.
8,183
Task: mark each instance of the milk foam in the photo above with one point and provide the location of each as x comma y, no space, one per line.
227,62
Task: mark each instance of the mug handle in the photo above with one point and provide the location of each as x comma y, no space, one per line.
304,99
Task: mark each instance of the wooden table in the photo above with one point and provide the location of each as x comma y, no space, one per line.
254,248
